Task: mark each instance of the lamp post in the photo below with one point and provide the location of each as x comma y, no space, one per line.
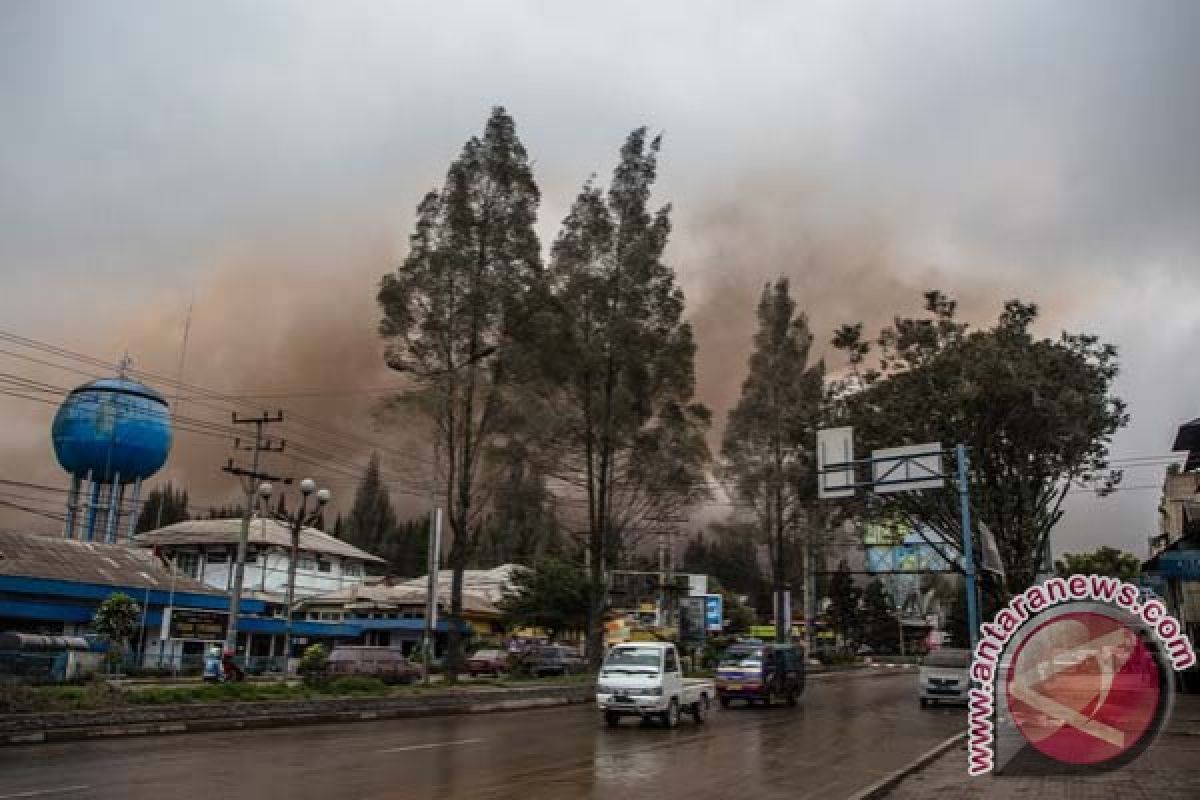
297,522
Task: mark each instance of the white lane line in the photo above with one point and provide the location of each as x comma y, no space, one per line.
411,747
44,792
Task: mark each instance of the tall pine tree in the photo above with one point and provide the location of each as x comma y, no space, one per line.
620,420
767,453
164,505
454,317
371,524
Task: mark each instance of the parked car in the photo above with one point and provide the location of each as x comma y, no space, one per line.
386,663
944,677
645,680
488,662
555,659
760,673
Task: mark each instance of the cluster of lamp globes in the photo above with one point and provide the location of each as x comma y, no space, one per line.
307,487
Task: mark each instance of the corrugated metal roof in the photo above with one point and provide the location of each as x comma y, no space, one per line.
262,532
381,596
29,555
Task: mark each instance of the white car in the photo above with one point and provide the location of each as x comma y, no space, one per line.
945,677
645,680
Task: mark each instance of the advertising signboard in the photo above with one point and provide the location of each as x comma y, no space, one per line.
195,625
692,619
713,612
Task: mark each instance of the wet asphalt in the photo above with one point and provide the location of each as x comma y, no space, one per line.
848,731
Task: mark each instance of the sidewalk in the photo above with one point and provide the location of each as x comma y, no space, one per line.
1169,769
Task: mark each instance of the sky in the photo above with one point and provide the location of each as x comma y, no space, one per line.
262,161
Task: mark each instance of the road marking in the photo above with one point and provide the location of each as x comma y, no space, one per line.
43,792
411,747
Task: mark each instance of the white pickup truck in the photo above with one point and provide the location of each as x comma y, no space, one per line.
645,679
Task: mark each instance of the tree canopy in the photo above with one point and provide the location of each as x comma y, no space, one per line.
1037,415
164,505
1105,561
554,595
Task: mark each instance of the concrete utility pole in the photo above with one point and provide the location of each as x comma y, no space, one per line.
251,480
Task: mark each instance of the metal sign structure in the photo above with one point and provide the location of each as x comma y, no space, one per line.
907,469
901,469
835,446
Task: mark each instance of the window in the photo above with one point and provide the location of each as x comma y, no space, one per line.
324,566
217,556
948,658
352,570
188,564
671,663
306,563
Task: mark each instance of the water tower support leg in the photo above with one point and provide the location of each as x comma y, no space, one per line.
72,508
135,510
114,511
89,528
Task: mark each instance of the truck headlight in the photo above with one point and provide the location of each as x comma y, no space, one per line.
651,691
603,689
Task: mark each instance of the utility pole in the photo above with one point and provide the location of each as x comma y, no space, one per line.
251,479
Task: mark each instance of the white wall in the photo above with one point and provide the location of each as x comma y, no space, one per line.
269,572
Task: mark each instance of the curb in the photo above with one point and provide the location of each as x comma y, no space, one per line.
54,735
888,782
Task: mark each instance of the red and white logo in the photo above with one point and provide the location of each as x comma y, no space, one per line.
1083,688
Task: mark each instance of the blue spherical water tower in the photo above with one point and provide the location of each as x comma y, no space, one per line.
108,434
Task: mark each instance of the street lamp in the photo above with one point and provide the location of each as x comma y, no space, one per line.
297,522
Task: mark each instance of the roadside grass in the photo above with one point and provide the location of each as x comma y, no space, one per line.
99,695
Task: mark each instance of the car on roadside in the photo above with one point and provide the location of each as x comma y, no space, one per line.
944,677
769,674
555,659
487,662
385,663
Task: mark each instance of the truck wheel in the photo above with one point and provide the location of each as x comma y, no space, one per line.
700,710
671,715
612,719
924,703
791,698
724,702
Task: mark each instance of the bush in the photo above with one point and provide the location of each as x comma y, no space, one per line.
17,698
314,666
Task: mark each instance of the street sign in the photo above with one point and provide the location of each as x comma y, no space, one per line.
713,612
907,469
835,446
692,618
194,625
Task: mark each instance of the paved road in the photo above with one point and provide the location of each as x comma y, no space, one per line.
847,732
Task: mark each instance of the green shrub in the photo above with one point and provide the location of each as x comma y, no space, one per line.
314,666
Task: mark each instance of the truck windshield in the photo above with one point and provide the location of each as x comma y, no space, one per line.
633,658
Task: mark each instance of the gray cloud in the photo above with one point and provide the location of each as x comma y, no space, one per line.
866,150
